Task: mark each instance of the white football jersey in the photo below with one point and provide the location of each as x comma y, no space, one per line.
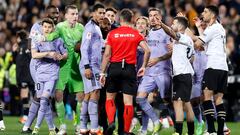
183,49
214,37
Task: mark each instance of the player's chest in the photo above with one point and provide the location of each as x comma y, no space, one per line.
71,33
156,40
46,47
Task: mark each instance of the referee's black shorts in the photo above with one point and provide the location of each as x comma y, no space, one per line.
182,87
23,77
215,80
122,79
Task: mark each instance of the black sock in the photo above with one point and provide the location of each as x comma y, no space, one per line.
221,115
190,125
209,114
25,106
178,127
164,113
1,110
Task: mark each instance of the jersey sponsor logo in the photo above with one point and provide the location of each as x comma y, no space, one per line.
117,35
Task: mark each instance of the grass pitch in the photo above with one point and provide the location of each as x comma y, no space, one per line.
14,128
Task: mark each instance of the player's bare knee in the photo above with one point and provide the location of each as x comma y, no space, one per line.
111,96
86,97
80,96
127,99
218,99
207,94
59,96
24,92
95,95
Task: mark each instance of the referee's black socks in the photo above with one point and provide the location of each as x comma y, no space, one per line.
25,103
179,127
221,115
209,114
190,125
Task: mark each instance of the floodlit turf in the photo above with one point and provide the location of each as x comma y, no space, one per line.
14,128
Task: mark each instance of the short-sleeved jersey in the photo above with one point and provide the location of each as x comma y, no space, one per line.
47,68
36,33
124,42
91,46
157,41
182,52
214,37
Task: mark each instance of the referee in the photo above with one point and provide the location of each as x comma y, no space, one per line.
120,51
22,57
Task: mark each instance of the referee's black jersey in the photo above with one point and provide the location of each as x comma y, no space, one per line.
22,58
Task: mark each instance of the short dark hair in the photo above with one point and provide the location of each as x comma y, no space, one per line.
213,9
126,14
182,20
48,20
154,9
97,6
50,7
111,9
22,34
70,7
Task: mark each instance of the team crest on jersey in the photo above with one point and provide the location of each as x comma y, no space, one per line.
89,35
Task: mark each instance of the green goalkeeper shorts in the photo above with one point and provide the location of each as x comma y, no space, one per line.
69,75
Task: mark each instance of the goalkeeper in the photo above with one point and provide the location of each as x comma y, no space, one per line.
69,76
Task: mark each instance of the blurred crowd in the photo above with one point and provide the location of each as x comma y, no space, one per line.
22,14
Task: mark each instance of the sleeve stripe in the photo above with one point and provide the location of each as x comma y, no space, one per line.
201,40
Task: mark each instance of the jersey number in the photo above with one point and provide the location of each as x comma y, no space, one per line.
38,86
188,53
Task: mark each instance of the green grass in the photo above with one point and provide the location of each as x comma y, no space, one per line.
14,128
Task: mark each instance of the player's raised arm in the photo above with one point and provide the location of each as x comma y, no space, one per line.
170,31
53,35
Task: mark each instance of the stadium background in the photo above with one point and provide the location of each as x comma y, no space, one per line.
22,14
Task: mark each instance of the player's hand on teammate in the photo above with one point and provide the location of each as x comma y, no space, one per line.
141,72
59,56
152,62
88,73
54,55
